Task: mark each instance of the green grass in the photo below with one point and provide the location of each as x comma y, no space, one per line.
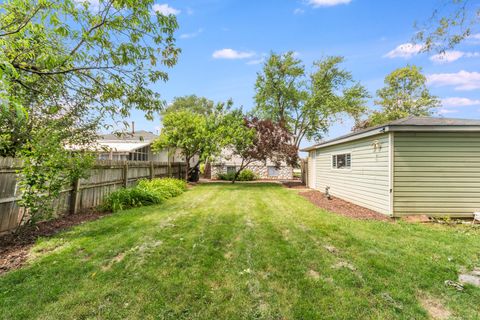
243,251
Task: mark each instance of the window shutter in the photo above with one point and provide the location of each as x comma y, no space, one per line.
334,161
348,161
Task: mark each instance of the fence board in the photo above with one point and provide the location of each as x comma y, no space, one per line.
103,178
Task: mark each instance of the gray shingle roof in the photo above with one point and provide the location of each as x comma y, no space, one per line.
410,123
140,135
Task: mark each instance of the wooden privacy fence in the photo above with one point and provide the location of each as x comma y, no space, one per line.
103,178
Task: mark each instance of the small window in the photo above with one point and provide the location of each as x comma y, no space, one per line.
231,169
272,171
341,161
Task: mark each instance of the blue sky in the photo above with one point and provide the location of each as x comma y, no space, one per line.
224,42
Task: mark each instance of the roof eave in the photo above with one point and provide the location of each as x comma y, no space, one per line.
372,132
404,128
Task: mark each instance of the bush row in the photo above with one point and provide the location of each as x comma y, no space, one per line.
245,175
146,192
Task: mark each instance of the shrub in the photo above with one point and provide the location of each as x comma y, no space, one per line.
245,175
226,176
129,198
165,188
146,192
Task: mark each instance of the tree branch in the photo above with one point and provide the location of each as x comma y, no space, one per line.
22,25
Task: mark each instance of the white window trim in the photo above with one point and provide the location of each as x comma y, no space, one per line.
341,153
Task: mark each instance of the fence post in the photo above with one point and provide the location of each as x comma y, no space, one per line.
75,196
125,174
152,170
180,170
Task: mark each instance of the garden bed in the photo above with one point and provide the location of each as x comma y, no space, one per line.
343,207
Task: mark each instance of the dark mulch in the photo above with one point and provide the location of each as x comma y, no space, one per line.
343,207
14,247
293,184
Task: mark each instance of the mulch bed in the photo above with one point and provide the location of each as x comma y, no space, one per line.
294,184
343,207
14,247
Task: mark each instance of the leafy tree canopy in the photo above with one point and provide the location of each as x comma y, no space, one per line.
198,127
91,60
405,94
450,24
307,103
262,140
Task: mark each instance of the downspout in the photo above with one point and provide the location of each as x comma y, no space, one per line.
391,172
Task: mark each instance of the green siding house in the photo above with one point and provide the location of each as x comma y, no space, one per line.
412,166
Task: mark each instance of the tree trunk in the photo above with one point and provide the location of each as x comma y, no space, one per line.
242,166
187,169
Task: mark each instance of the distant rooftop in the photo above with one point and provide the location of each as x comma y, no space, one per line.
406,124
137,136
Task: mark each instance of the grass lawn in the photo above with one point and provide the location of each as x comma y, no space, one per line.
243,251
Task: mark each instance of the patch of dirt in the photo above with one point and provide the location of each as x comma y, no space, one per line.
344,264
313,274
228,255
417,219
434,307
343,207
15,247
119,257
331,249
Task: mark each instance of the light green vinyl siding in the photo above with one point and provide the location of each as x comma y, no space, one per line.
366,183
436,173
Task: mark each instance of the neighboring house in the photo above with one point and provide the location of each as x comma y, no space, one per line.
133,146
412,166
227,163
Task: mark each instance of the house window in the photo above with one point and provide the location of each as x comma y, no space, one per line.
341,161
272,171
231,170
140,154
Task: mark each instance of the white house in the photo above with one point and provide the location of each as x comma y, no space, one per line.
228,162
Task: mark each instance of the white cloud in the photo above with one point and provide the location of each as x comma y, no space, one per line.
191,35
232,54
447,56
473,39
256,61
298,11
327,3
446,111
405,50
462,80
460,102
165,9
450,56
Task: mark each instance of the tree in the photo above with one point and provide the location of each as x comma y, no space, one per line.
183,130
197,126
199,105
93,59
405,94
306,104
452,23
260,140
68,68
